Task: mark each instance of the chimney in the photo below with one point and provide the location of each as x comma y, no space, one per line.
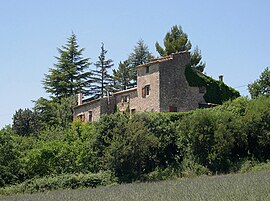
79,98
220,77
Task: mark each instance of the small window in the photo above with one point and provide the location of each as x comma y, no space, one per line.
146,91
81,117
90,116
172,109
133,111
147,69
125,99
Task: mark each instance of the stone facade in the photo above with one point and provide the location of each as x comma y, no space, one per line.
161,87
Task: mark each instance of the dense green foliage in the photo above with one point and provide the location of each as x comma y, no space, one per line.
26,122
260,87
9,159
216,91
70,74
148,146
67,181
51,113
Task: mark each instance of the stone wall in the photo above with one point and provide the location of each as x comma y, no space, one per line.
125,99
93,106
174,89
151,102
107,105
169,90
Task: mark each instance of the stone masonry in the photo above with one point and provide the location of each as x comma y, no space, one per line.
161,87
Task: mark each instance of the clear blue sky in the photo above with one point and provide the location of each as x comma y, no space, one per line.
234,37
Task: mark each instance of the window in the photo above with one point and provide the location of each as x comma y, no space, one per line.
81,117
172,109
146,91
90,116
125,99
133,111
147,69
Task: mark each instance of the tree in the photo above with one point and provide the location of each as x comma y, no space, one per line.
196,60
55,113
261,87
70,75
132,151
9,159
25,122
176,41
102,80
122,76
139,56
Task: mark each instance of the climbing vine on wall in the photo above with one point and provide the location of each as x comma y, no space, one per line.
216,91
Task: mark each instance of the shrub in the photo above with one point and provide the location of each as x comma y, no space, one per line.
257,128
210,136
9,159
66,181
132,151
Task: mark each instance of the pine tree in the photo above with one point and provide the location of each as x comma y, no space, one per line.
122,76
139,56
70,74
176,41
196,59
102,80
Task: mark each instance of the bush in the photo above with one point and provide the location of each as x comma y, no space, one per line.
209,136
9,159
66,181
257,127
132,152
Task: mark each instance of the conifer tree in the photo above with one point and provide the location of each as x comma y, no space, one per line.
70,74
196,59
176,41
122,76
139,56
102,80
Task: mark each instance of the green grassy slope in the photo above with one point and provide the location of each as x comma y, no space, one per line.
248,186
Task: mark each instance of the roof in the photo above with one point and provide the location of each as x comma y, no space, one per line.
90,100
160,59
155,60
125,91
85,102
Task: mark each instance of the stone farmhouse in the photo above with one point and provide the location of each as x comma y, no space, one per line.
161,87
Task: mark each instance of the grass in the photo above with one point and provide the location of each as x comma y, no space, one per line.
246,186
